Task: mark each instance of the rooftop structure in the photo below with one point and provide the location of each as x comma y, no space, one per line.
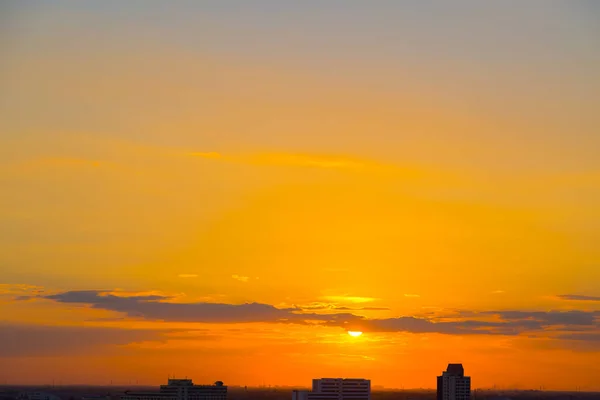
453,384
336,389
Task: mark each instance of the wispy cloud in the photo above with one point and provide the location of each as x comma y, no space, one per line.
319,161
498,292
319,306
187,275
411,295
306,160
290,159
349,299
241,278
20,291
578,297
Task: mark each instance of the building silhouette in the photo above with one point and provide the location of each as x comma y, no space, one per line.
336,389
37,396
453,384
181,389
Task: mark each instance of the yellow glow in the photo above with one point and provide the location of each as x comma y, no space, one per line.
354,333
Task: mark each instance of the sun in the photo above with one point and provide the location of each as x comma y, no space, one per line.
354,333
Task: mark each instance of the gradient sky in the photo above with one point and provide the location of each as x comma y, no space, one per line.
221,189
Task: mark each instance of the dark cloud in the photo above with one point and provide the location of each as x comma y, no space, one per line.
590,336
547,318
42,341
503,323
423,325
589,341
99,297
156,307
578,297
24,298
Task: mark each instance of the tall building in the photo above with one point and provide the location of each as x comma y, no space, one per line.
453,384
336,389
182,389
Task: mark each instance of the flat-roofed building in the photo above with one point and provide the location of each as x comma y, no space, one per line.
336,389
182,389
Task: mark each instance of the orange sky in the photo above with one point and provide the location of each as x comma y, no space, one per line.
222,192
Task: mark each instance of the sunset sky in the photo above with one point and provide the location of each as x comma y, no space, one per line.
222,189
